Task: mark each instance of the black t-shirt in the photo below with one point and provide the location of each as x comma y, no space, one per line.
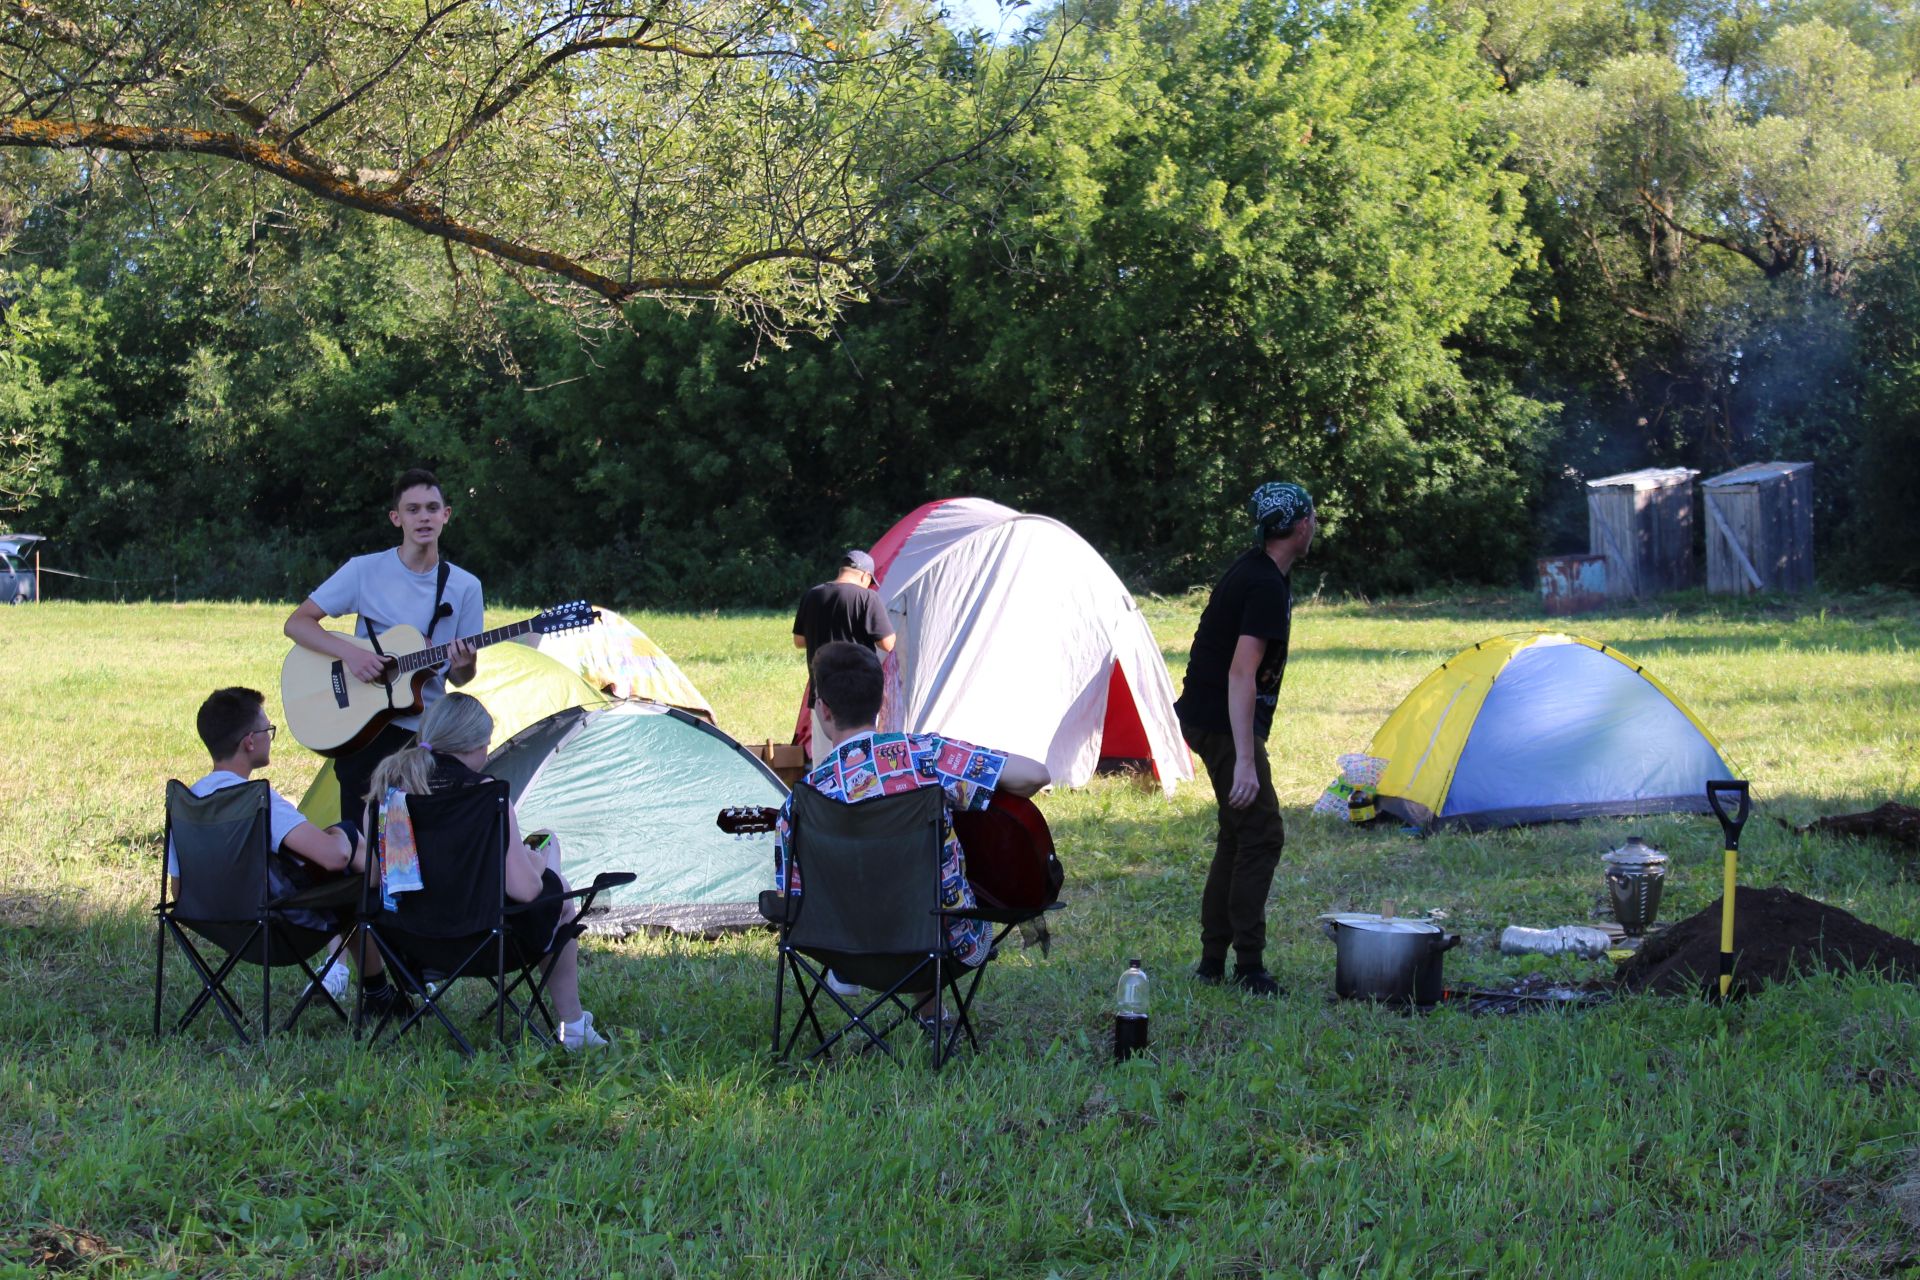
1253,598
841,611
451,775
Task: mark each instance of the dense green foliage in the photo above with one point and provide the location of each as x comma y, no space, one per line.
1295,1138
1439,263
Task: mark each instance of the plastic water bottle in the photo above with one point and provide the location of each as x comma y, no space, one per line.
1130,1013
1568,939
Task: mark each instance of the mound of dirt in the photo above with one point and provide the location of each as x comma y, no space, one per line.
1777,933
1893,821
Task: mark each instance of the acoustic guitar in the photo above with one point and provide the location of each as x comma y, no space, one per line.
330,712
1010,859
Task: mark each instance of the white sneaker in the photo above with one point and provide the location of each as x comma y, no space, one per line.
575,1036
334,978
840,988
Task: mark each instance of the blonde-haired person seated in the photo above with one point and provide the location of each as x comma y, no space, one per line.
452,750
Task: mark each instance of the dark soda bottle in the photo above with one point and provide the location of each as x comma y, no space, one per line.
1130,1013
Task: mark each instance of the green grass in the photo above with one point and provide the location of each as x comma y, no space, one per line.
1293,1138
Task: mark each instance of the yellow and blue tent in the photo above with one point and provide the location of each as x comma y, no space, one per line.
1540,726
519,685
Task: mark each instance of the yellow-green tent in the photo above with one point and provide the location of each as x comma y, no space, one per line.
519,685
1537,727
617,656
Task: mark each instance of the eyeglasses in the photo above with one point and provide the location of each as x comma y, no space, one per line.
270,730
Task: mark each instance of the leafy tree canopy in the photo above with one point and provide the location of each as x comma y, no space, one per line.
736,151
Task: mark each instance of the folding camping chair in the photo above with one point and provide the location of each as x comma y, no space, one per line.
221,844
869,911
456,925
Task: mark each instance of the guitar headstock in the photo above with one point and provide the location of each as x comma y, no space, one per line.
570,616
747,820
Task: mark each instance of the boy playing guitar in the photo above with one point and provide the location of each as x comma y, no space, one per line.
411,585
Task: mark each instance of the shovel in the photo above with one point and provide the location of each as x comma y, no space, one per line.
1722,795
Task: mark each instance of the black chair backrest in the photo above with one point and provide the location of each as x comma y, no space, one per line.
220,843
461,835
869,872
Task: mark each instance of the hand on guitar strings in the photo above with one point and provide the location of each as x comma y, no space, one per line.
366,666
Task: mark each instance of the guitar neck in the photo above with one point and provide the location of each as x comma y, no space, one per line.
437,654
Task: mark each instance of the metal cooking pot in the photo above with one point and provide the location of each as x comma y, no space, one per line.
1387,958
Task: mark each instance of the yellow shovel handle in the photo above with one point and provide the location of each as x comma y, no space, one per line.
1727,879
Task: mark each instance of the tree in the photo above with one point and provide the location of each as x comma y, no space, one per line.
732,151
1243,241
1713,184
49,351
1708,179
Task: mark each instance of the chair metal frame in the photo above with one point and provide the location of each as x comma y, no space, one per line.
264,936
489,954
898,970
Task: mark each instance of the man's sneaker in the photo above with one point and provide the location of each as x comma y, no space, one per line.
1255,982
840,988
1211,972
575,1036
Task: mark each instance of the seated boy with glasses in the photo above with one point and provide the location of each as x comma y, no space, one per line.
234,726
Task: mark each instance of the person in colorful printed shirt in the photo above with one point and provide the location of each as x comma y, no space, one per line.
865,763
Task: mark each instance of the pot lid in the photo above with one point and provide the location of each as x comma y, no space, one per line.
1635,851
1373,922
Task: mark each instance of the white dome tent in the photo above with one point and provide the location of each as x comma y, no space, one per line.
1013,633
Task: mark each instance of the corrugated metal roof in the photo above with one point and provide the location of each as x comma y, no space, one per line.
1646,478
1755,472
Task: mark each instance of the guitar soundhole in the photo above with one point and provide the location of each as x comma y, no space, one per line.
340,684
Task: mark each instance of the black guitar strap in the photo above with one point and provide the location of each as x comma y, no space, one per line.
439,593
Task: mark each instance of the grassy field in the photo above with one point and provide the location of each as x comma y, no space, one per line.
1296,1137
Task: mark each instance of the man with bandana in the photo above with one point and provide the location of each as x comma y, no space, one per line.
1226,711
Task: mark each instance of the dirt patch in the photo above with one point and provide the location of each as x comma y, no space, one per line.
1777,934
58,1248
1893,821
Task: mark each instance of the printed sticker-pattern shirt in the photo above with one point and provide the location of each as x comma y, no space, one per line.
883,764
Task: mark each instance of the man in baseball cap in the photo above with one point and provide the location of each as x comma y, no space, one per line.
847,608
1226,711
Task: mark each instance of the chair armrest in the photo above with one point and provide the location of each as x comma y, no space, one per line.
601,883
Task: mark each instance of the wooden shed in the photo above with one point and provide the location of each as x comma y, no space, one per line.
1642,522
1760,528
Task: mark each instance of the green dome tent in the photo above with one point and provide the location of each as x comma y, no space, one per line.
635,786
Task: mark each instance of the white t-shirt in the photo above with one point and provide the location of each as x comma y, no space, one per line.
382,590
282,814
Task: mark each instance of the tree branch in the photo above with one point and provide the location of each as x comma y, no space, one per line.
234,104
419,214
486,112
1771,264
346,100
